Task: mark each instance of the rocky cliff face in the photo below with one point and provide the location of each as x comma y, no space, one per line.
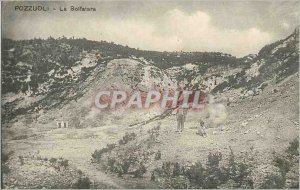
274,63
43,74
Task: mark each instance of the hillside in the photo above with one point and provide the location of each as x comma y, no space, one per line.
41,74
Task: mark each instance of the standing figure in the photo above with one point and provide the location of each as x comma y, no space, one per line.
181,116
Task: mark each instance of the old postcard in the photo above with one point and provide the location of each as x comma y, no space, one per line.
150,94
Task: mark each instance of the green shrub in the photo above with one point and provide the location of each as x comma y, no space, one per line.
153,176
214,175
293,148
239,173
283,165
166,169
273,181
111,164
234,175
179,182
5,157
127,138
154,133
64,163
111,146
176,170
79,172
119,169
125,164
157,155
53,160
140,171
82,183
21,159
97,155
5,169
196,174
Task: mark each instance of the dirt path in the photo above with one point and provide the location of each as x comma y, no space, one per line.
99,178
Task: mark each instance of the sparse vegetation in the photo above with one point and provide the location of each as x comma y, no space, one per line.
234,174
287,162
53,160
96,156
21,160
4,159
130,161
127,138
153,133
273,181
82,183
212,176
140,171
293,148
64,163
157,155
44,173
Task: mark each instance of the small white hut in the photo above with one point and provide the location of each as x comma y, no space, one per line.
62,124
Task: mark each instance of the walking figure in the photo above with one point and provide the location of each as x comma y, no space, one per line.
181,116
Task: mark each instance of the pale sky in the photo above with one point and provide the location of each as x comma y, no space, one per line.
236,27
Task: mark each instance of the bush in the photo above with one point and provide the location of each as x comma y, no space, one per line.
21,159
196,174
53,160
273,181
5,169
140,171
127,138
157,155
239,173
64,163
153,176
111,146
98,154
213,176
167,169
119,167
179,182
293,148
82,183
176,170
125,164
111,164
285,163
79,172
4,158
154,133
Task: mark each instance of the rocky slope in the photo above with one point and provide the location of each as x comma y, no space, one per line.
43,74
274,63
